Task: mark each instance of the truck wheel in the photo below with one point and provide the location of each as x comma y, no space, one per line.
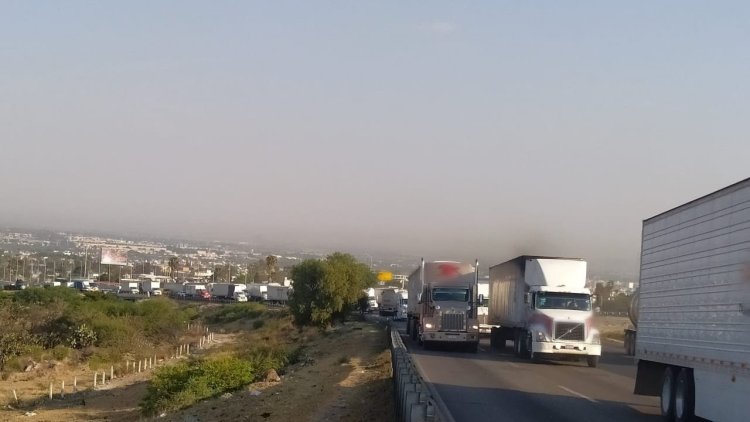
516,344
494,343
626,342
530,347
667,394
413,329
473,348
523,343
592,361
684,396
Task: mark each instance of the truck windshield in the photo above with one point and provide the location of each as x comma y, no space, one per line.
450,294
550,300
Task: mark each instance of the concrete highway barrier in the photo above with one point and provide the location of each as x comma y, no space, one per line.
416,400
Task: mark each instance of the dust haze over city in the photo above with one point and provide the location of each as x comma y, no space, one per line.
446,130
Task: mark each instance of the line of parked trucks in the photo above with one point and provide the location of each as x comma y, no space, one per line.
136,288
271,292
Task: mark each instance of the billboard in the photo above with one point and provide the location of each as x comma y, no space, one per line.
114,256
385,276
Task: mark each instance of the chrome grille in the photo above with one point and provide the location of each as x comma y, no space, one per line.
452,322
570,331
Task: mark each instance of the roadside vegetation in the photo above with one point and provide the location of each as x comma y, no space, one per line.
325,291
328,290
61,323
265,340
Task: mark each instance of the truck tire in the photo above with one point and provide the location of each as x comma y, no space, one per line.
414,329
626,343
667,394
519,344
408,325
473,347
525,352
494,343
592,361
516,344
684,396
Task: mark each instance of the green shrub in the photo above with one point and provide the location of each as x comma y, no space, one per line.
236,311
42,296
60,352
258,323
177,386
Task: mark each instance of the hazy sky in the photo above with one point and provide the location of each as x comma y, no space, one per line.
445,129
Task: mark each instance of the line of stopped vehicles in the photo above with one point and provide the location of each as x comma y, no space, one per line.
691,315
149,285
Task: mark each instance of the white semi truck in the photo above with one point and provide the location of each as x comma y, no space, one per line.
393,303
442,304
151,287
197,291
129,286
229,291
257,291
542,306
693,318
372,301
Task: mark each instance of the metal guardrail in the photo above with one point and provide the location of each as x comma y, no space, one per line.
415,399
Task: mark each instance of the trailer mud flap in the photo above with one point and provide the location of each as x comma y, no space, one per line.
648,378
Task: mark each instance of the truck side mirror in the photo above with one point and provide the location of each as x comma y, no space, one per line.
527,298
481,299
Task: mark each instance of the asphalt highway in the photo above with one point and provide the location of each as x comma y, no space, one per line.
497,386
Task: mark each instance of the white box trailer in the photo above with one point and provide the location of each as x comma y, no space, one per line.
277,293
229,291
150,286
393,303
542,305
258,291
693,341
174,287
129,286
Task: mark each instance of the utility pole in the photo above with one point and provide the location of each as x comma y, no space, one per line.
86,263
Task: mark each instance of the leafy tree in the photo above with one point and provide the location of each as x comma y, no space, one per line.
327,290
174,265
271,266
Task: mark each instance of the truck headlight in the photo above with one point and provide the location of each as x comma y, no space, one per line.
474,327
595,339
427,325
541,336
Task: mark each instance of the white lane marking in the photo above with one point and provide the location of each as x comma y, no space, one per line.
615,340
577,393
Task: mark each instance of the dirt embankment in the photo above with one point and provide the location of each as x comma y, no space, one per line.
343,375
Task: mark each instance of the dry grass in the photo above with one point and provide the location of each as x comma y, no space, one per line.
612,327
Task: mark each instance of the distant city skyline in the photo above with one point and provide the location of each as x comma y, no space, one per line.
450,131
